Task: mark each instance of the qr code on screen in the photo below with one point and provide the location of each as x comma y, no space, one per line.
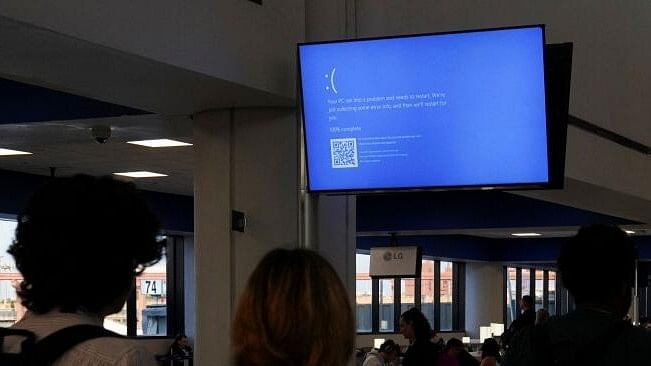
344,153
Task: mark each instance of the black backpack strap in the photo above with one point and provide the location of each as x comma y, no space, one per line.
27,343
50,348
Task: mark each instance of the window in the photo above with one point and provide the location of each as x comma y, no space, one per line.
379,302
551,293
427,290
387,309
538,283
539,290
151,300
407,294
11,309
363,294
511,295
526,282
446,295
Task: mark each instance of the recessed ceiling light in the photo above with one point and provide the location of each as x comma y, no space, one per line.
7,152
630,232
140,174
159,143
526,234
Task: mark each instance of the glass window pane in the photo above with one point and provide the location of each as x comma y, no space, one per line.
407,293
151,300
386,305
511,295
526,282
11,310
363,298
446,295
427,290
117,322
552,293
539,289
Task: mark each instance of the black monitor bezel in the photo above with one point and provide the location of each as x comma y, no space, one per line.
554,180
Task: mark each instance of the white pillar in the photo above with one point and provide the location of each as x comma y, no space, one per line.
484,295
212,245
245,160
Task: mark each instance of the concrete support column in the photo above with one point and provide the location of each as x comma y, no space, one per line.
337,221
213,274
484,295
245,160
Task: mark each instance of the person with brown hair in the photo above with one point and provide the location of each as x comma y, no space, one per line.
294,311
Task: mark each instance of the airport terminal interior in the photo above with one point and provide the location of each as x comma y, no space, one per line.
199,105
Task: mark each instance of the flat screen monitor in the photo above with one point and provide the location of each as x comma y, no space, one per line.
451,110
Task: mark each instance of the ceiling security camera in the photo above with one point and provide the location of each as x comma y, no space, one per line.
101,134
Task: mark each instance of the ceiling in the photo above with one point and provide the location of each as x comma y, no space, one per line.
66,144
69,147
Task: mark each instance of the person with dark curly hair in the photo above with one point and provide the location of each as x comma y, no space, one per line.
416,328
80,242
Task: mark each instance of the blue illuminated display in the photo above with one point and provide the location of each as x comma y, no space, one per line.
448,110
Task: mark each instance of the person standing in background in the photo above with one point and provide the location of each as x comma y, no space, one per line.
421,351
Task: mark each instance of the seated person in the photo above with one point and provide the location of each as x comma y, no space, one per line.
455,353
490,353
387,354
294,311
79,245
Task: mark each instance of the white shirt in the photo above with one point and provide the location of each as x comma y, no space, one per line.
105,351
373,358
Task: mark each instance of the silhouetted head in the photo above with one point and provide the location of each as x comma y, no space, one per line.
294,311
542,316
490,348
597,266
389,350
454,346
415,326
80,242
526,302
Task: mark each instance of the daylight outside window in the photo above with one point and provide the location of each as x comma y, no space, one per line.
11,310
446,295
363,293
386,305
539,296
151,300
427,290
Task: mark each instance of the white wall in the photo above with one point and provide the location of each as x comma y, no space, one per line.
264,165
245,160
611,80
484,294
235,40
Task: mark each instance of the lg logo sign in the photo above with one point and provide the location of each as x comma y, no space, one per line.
392,256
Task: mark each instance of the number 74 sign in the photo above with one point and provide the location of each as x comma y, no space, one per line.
153,287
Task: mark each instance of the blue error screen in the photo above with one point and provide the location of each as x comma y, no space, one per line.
461,109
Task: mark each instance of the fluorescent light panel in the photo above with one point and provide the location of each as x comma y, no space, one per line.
8,152
140,174
525,235
630,232
159,143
